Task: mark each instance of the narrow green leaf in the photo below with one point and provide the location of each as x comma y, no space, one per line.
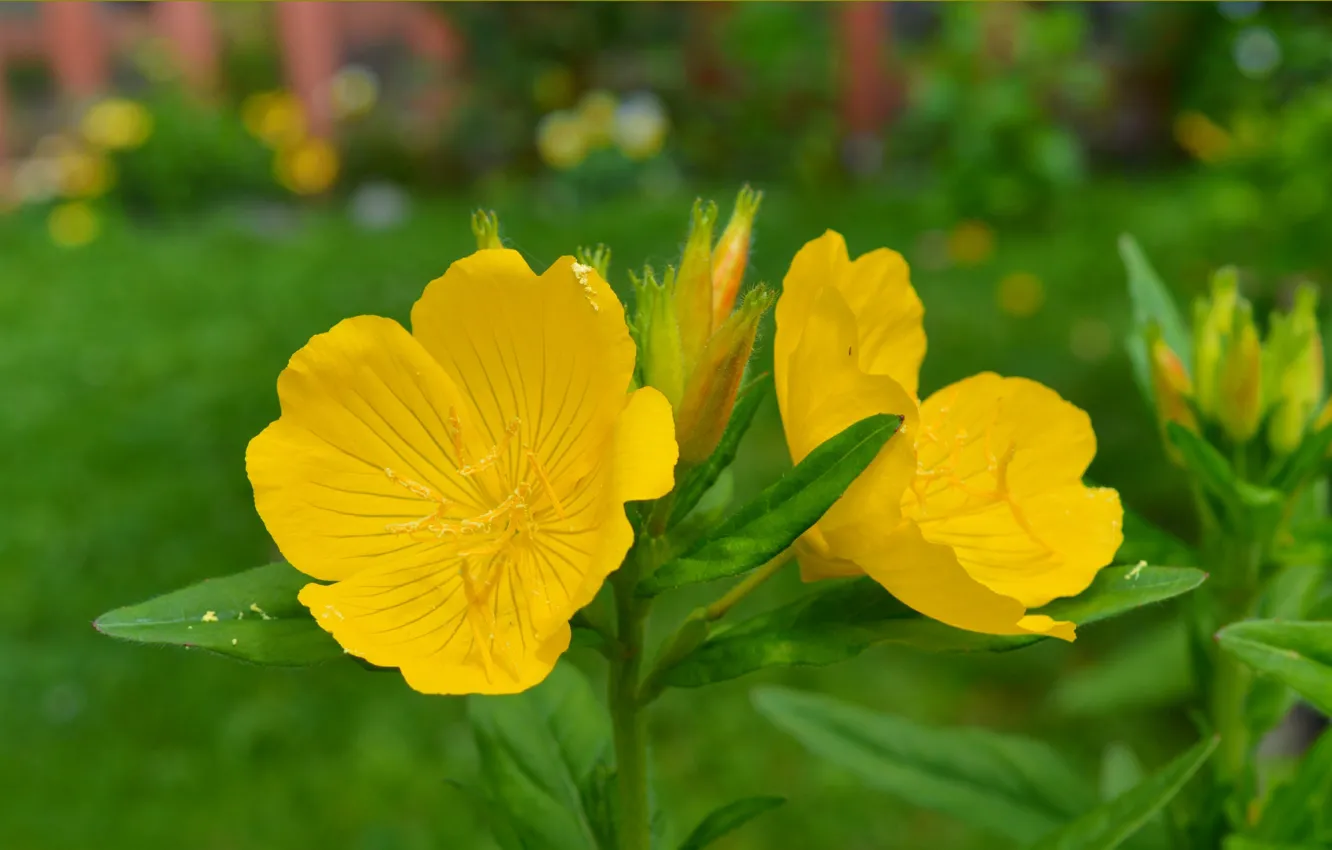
1246,503
1151,302
727,819
1309,460
1303,806
841,619
540,751
698,480
766,526
1120,770
1110,824
1144,542
1296,653
251,615
1014,787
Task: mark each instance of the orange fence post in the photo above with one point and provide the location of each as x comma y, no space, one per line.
187,27
77,44
310,53
864,90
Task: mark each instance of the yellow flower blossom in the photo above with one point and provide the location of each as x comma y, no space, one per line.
117,124
463,485
976,512
308,168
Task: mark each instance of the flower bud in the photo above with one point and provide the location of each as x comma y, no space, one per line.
693,284
598,258
709,395
485,227
1171,385
731,255
1239,402
1295,371
1212,322
655,329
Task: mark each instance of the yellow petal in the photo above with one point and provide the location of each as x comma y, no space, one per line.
827,391
877,288
928,577
645,449
999,480
361,447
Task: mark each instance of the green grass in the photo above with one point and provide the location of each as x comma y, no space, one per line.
135,370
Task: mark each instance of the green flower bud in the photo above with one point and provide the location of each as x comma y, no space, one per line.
1239,402
655,329
485,227
1212,322
731,255
1294,371
693,284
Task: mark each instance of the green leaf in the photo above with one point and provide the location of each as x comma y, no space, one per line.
1144,542
1011,786
251,615
1303,806
1296,653
1152,302
1309,460
1246,503
1241,842
843,618
766,526
540,754
727,819
700,479
1110,824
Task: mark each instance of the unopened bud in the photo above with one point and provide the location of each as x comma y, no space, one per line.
731,255
693,284
657,333
1295,371
1239,402
485,227
598,258
713,383
1213,319
1171,386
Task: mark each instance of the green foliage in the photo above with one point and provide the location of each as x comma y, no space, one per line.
1152,304
1246,505
769,524
844,618
541,751
1110,824
727,819
1301,809
1145,542
1011,786
1296,653
252,615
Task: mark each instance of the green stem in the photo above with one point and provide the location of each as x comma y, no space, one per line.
628,724
718,609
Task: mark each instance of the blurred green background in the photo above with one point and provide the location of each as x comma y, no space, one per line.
159,264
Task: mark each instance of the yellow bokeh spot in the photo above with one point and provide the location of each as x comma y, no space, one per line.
561,139
354,91
1021,294
640,127
117,124
73,224
308,168
1202,137
275,118
971,243
553,88
85,174
597,112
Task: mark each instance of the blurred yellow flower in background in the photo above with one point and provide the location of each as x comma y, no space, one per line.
1203,138
307,168
1020,294
72,224
596,110
117,124
85,174
971,243
463,485
354,91
640,126
276,118
976,511
553,88
562,140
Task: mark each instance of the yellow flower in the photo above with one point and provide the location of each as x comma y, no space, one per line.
308,168
275,118
73,224
117,124
562,140
463,485
976,511
1021,294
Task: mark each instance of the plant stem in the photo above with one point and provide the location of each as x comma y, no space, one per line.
718,609
628,724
